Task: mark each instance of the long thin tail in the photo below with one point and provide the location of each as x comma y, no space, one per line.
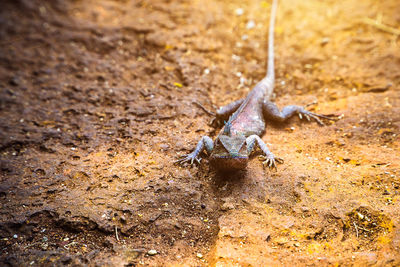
271,67
266,84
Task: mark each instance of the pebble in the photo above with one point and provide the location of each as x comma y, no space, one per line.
227,206
236,57
14,81
44,246
250,25
199,255
305,209
15,236
239,11
325,40
152,252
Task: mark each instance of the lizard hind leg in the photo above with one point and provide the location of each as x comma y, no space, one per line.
270,110
224,112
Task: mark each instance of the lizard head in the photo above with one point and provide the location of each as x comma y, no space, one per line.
229,153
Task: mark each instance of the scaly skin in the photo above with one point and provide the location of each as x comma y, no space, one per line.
234,144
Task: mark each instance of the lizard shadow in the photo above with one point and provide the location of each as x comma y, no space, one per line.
240,185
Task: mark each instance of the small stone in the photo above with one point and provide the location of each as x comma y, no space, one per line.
15,236
281,241
305,209
236,57
164,147
250,25
227,206
132,254
45,246
14,81
239,11
152,252
199,255
325,40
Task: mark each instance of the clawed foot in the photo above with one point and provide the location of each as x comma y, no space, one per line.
310,115
188,158
270,161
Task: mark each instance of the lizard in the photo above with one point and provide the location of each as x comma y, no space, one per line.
242,132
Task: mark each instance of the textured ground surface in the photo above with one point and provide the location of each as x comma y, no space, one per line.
98,98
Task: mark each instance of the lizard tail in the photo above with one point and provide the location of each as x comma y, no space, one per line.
270,69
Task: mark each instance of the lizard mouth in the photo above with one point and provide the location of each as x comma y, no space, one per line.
229,163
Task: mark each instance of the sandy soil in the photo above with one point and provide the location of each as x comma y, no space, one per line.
98,98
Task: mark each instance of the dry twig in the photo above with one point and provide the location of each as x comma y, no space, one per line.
355,225
116,233
379,25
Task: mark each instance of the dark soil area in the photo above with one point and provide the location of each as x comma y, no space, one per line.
99,98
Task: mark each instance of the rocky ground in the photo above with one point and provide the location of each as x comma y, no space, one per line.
99,98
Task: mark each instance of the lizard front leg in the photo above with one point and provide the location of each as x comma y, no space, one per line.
204,143
270,158
272,111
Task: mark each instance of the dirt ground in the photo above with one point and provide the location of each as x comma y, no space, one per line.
99,98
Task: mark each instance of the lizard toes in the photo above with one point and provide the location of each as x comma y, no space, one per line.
265,162
272,165
279,160
181,160
317,120
187,159
271,162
